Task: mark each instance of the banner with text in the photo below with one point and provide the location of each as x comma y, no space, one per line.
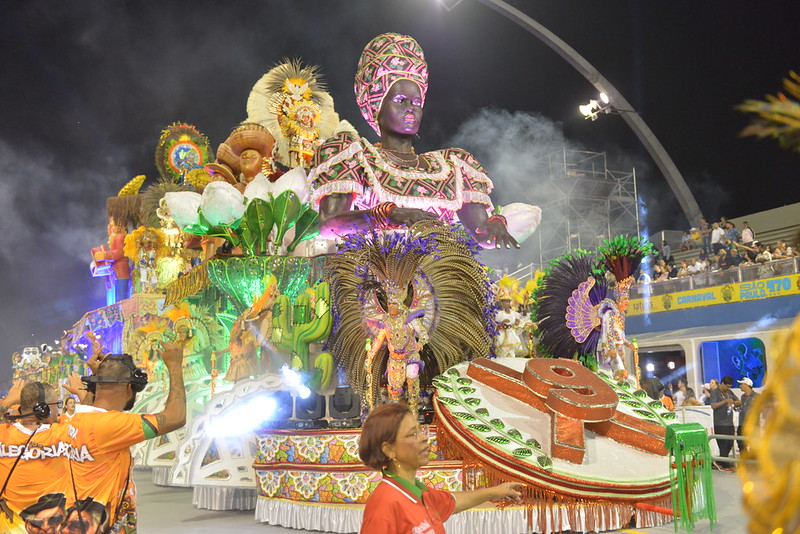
779,286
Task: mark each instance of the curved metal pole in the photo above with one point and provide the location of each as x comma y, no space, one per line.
657,152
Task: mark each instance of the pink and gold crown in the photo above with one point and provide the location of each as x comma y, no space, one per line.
386,59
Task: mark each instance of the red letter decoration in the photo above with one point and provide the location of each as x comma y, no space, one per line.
576,400
573,394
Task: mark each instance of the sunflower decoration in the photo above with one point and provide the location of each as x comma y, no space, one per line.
180,150
777,117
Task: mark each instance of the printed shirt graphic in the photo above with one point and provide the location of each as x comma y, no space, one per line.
392,509
102,460
39,480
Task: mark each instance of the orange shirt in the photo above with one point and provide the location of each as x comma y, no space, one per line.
102,460
40,473
393,509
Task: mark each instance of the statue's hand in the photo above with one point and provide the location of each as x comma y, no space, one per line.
408,216
494,232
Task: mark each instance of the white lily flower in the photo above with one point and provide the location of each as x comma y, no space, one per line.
294,180
222,203
259,187
183,206
522,219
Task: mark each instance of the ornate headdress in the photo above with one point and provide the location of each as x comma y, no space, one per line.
394,293
386,59
291,101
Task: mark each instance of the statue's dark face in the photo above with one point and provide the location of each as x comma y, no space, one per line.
401,112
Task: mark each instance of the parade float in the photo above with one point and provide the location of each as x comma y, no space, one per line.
291,337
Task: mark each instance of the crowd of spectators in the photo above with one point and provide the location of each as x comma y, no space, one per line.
719,396
719,245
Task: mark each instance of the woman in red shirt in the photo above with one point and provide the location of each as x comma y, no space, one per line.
394,443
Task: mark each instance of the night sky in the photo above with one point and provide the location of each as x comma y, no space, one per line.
87,87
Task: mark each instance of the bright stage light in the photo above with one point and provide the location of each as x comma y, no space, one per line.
291,377
587,110
604,98
294,381
671,364
242,419
650,367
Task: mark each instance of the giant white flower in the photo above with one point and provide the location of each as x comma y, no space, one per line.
294,180
183,207
222,203
259,187
522,219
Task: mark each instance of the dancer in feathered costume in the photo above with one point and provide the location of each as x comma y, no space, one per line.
578,315
441,293
570,287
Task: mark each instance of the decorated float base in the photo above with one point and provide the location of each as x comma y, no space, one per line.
313,480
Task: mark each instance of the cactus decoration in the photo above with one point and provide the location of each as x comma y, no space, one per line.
296,325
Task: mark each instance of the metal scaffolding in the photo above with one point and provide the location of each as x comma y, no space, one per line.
587,203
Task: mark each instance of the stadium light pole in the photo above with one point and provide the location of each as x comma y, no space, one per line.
656,150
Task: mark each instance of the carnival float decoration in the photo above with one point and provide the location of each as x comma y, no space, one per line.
181,149
291,102
228,260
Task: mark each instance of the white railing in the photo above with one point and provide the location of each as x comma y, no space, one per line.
743,273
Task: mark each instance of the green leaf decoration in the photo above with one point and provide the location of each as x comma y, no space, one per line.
625,385
656,404
286,210
466,390
464,381
668,415
464,416
453,372
306,227
482,412
443,386
249,240
640,393
472,401
645,413
480,427
514,433
631,403
448,400
545,461
623,395
259,220
500,440
533,443
498,424
522,452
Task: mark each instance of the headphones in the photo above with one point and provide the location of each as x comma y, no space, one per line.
137,378
41,410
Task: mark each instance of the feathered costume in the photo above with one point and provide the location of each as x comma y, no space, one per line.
432,269
578,315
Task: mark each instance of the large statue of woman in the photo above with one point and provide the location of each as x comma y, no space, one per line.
360,186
